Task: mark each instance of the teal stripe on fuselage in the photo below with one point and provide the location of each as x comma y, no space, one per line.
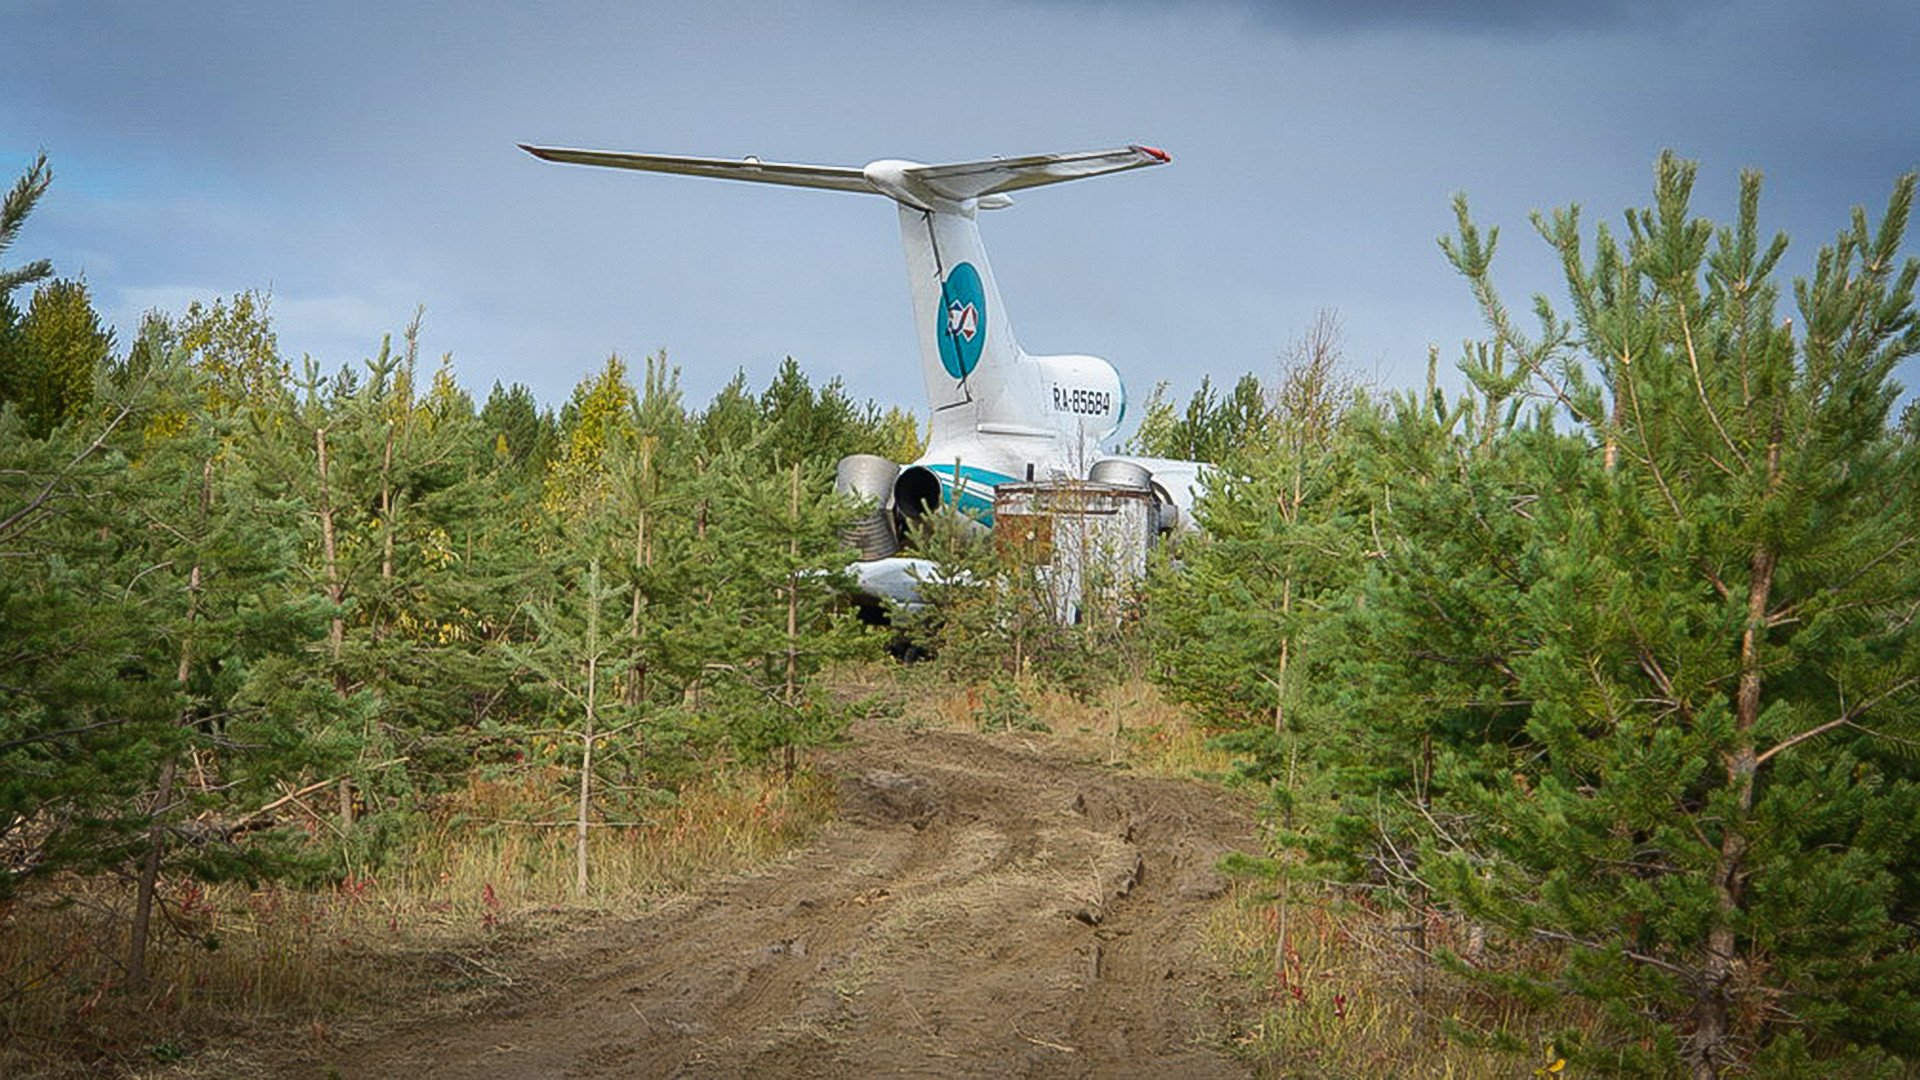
974,493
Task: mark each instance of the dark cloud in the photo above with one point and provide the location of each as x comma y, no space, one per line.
1527,19
1523,20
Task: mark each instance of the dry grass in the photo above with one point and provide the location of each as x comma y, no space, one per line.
479,846
1349,994
1128,724
227,957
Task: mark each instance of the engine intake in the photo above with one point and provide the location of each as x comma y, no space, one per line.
917,493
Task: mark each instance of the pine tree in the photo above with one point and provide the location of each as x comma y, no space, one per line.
1212,429
732,419
82,719
419,547
1658,642
1282,533
146,721
631,489
777,573
16,378
14,208
576,653
60,348
518,429
732,569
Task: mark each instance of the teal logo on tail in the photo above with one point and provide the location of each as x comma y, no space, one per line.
962,321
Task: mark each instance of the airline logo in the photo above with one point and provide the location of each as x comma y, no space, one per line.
962,320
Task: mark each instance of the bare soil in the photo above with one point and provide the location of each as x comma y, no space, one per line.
986,905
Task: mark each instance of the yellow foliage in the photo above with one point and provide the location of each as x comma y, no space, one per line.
577,478
233,343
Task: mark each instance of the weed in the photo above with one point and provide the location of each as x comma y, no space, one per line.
1346,995
1003,707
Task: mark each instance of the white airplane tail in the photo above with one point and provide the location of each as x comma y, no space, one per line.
999,412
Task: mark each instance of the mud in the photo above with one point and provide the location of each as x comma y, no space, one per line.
985,906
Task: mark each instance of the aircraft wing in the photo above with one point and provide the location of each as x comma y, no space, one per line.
972,179
831,177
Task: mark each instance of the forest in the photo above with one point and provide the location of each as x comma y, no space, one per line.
1601,673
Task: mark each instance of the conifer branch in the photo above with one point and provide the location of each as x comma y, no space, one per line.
1713,578
50,736
99,442
1790,612
1646,455
1845,719
1686,974
1700,385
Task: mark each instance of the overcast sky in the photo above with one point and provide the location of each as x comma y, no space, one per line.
359,160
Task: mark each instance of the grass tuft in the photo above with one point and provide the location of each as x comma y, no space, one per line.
1125,725
1349,994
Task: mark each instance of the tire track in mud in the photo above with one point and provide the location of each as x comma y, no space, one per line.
981,908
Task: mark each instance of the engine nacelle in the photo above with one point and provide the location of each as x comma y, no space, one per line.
921,492
917,492
1118,472
870,479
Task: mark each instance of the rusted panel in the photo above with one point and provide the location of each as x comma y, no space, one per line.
1025,538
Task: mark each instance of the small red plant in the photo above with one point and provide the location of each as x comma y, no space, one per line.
489,918
355,888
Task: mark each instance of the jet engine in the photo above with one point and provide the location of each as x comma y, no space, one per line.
917,492
870,478
1121,473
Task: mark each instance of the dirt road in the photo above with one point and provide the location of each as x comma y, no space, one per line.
985,906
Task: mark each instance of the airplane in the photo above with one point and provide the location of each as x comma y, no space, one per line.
998,414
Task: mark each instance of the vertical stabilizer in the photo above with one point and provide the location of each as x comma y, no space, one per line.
1004,412
968,354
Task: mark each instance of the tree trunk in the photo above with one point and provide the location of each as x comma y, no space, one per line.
791,696
1286,657
1711,1005
336,595
149,881
586,781
330,559
594,599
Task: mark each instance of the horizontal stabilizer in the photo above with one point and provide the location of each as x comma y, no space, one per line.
972,179
831,177
901,180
